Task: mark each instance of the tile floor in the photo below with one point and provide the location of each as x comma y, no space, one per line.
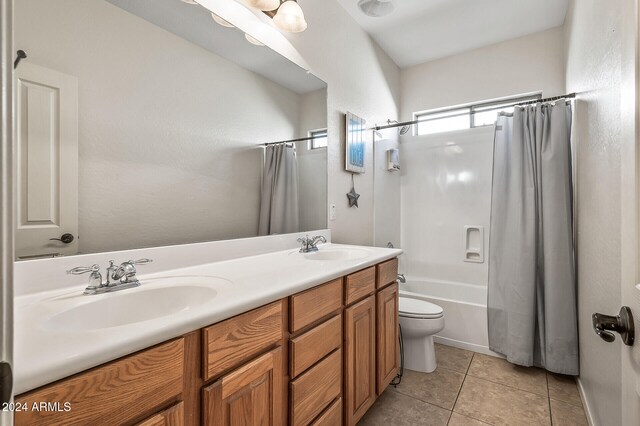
472,389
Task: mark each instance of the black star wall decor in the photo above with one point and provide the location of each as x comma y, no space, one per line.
353,195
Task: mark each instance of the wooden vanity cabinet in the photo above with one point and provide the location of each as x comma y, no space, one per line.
320,357
371,336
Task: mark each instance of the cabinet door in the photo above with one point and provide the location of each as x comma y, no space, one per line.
387,336
250,395
360,367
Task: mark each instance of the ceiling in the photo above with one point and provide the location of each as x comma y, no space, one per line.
194,23
423,30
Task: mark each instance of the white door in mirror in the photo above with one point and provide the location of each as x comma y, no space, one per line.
46,105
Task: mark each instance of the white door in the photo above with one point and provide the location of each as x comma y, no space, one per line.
46,192
630,223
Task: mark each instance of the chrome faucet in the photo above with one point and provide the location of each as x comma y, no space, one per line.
310,244
124,276
401,278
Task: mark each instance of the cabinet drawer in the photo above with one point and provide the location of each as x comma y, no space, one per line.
360,285
313,391
315,344
386,273
314,304
332,415
173,416
229,343
116,393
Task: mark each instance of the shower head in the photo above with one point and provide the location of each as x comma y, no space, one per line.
402,130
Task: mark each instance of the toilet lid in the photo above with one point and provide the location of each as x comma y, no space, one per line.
416,308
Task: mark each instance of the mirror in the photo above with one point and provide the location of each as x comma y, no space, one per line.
143,123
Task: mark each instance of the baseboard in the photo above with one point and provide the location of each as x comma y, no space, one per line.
585,404
466,345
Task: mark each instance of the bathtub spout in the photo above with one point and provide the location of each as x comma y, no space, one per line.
401,278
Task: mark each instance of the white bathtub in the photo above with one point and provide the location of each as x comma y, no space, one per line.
465,311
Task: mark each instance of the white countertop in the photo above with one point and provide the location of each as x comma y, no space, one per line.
43,354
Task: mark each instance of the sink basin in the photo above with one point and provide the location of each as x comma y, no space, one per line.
338,254
132,306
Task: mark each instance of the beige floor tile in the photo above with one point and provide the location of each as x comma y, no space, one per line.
564,414
501,405
460,420
564,388
501,371
395,409
453,358
439,388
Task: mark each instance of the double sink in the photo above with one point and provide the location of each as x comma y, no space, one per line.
165,296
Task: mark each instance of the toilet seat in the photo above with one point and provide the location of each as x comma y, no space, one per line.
421,309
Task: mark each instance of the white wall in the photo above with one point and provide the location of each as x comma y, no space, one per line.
363,80
527,64
597,43
141,88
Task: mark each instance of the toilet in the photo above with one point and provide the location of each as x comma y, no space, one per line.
419,320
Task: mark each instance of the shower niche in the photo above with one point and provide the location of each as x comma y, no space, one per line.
474,244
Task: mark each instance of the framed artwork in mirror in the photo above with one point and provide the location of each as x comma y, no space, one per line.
355,144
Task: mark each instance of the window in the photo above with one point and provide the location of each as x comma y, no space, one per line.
319,139
467,116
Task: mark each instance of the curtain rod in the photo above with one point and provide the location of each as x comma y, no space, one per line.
295,140
501,106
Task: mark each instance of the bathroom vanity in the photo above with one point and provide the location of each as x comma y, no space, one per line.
320,354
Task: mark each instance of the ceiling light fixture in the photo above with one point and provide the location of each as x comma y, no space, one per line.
253,40
290,17
221,21
265,5
376,8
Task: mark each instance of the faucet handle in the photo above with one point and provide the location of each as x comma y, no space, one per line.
84,269
142,261
317,238
128,270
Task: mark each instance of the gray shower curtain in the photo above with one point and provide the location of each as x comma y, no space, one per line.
279,196
532,308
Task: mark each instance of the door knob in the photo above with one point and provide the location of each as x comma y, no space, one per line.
65,238
622,323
